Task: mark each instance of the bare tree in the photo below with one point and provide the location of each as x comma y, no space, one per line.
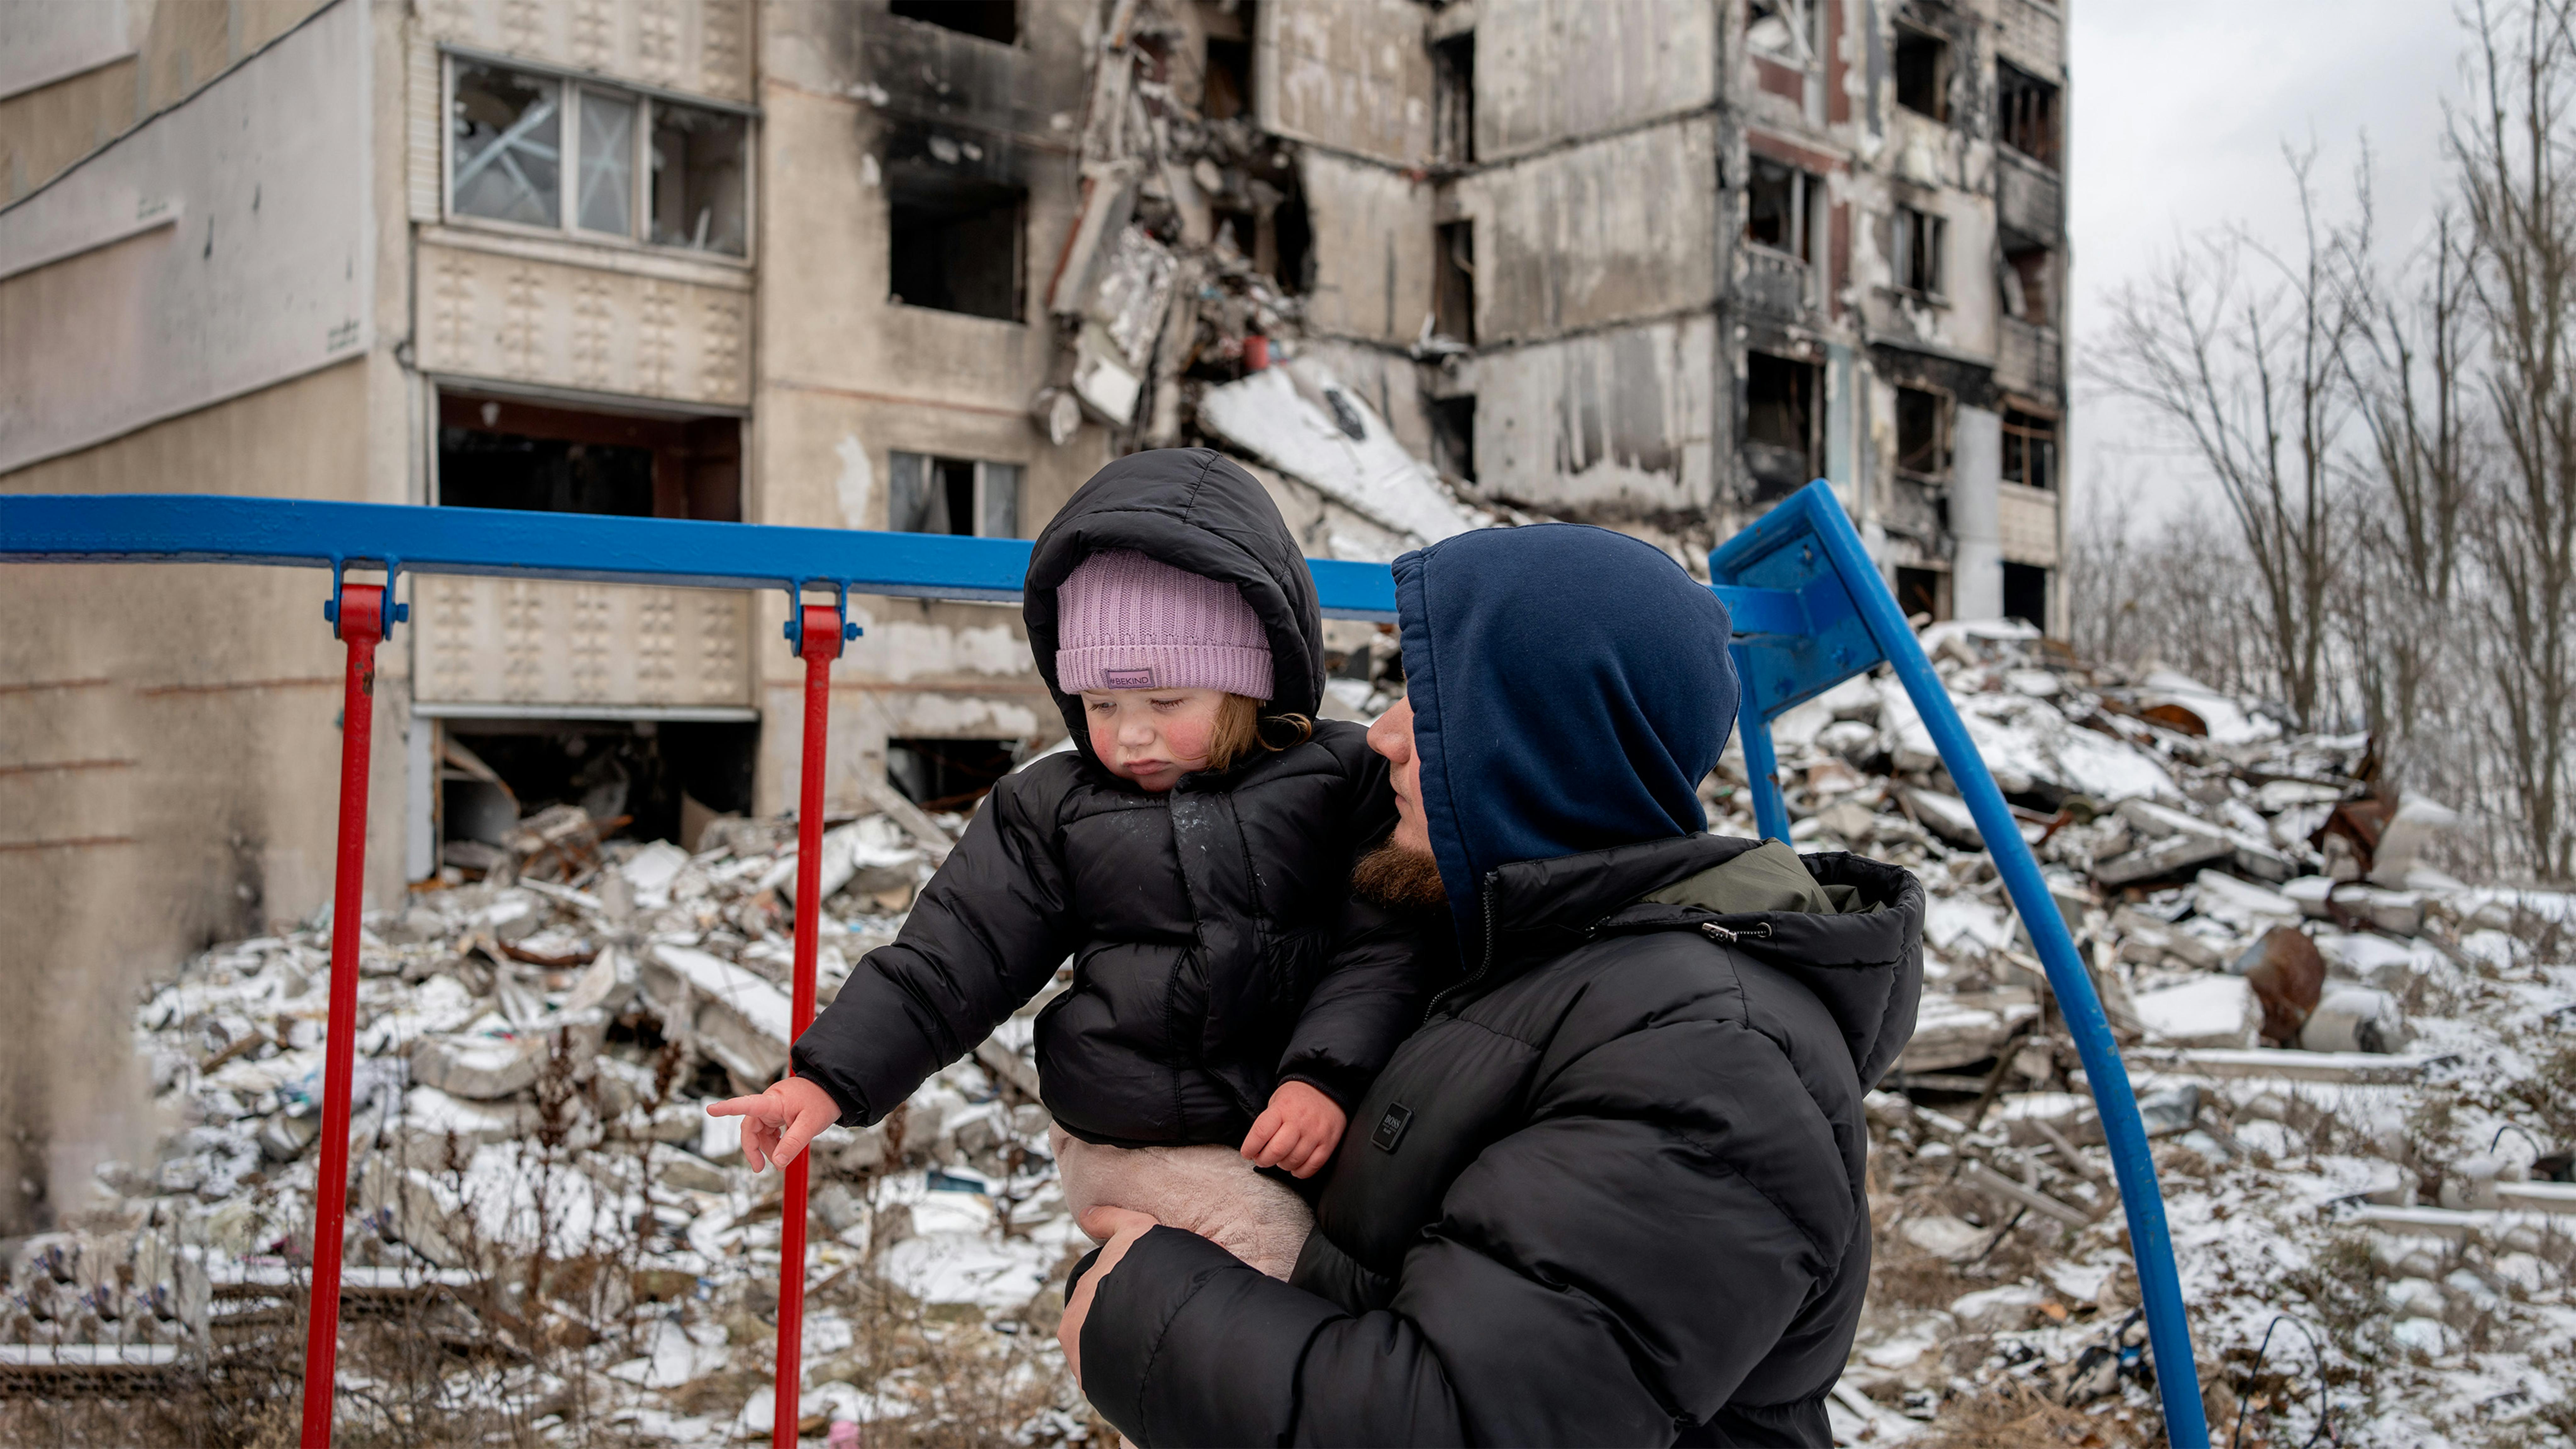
2511,147
2249,370
2407,365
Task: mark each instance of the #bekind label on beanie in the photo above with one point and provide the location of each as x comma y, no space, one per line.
1129,678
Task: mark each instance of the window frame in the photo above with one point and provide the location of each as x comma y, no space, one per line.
1905,249
982,503
1944,71
1803,188
2025,424
1945,411
2012,80
571,85
1805,24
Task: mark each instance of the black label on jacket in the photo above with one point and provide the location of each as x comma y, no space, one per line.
1390,1128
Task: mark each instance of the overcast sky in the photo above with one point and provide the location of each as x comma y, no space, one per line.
2179,112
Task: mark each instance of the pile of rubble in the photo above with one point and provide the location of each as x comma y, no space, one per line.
2356,1070
534,1061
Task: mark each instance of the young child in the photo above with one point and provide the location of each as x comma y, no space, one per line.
1229,1000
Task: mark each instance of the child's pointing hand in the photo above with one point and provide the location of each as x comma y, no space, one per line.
778,1123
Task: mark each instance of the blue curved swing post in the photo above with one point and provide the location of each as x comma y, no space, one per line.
1845,622
1809,611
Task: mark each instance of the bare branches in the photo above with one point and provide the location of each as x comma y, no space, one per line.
2240,349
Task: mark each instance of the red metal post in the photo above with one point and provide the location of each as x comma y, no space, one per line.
361,625
818,644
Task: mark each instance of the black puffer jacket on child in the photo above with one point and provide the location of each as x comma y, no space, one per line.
1216,951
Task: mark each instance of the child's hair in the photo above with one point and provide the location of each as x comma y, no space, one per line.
1240,726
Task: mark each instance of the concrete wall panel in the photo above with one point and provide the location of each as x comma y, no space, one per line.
686,45
1555,70
1619,423
1372,258
1350,74
510,316
1620,229
222,247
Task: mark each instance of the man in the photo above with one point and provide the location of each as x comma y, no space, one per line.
1611,1191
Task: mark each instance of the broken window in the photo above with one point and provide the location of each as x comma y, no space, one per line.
2026,113
1454,297
953,495
2026,593
636,167
1776,208
1915,252
1453,436
2030,449
1783,30
1783,417
1918,593
1922,433
1923,73
498,453
1227,90
948,774
987,19
506,146
2027,274
606,192
698,167
1453,99
956,245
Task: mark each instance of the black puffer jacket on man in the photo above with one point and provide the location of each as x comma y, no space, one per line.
1611,1192
1215,949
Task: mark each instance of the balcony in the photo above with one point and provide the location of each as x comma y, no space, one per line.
2029,199
2031,361
1772,284
527,647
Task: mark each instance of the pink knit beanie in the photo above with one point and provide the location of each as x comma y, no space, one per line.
1125,621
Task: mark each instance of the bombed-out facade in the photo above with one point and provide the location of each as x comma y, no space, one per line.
919,265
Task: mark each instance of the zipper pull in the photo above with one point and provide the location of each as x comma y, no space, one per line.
1716,932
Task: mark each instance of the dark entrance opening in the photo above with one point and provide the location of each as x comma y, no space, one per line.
2026,594
956,244
1783,423
1453,435
987,19
1918,591
948,774
628,775
496,453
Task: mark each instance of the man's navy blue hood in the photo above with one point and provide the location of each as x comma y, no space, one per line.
1570,689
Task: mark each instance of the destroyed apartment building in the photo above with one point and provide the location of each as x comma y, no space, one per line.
926,265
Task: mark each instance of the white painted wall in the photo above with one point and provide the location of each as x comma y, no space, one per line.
224,246
43,41
1976,522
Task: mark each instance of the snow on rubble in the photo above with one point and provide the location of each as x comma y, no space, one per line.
2356,1071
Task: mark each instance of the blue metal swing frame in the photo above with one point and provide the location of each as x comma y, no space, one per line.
1810,610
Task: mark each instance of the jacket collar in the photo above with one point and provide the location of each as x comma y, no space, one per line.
1866,968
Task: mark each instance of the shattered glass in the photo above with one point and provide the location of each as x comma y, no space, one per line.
607,164
507,146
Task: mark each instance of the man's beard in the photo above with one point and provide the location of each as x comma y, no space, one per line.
1404,879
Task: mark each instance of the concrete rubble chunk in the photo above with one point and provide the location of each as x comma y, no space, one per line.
2216,1011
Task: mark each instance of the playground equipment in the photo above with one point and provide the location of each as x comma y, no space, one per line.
1809,608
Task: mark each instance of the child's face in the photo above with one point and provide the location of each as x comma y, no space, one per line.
1152,736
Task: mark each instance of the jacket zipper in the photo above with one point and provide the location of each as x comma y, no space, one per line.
1716,932
1484,963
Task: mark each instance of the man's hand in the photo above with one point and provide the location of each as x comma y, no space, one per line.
778,1123
1118,1228
1298,1132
